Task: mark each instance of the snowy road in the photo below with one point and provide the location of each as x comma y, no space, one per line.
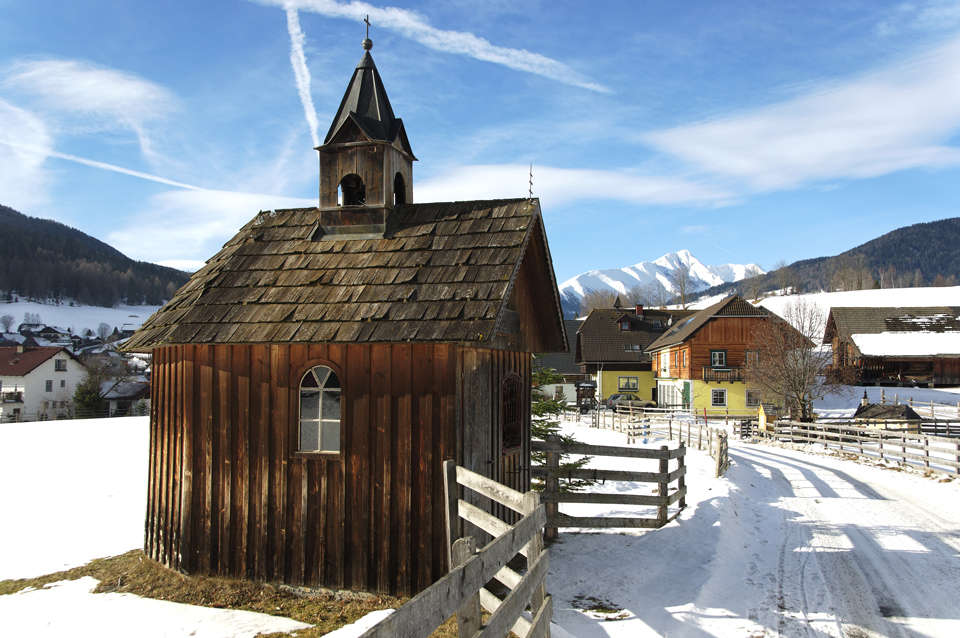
792,544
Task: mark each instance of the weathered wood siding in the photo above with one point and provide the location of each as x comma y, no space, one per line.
376,164
229,495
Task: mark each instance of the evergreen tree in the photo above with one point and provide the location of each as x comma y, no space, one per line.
546,413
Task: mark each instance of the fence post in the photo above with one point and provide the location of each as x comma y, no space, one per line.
531,501
883,397
681,482
663,491
699,437
669,429
552,486
468,616
451,507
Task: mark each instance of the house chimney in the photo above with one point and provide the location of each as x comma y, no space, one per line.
640,310
20,348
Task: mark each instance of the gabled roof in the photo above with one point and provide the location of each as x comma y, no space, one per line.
844,322
600,338
366,105
563,362
878,411
20,364
443,273
733,306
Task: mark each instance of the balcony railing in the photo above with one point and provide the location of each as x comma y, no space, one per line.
722,374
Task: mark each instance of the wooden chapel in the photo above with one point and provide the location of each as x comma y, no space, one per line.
311,378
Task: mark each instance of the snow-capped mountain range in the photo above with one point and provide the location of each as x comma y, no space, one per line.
621,280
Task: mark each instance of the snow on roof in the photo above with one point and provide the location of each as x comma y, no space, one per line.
908,344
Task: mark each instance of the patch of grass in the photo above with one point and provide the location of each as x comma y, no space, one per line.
134,573
599,608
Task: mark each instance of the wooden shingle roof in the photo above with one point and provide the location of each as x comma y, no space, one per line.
733,306
844,322
442,273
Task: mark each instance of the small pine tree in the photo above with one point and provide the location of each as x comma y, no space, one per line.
546,412
87,398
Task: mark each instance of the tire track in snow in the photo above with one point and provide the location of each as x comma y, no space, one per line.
888,564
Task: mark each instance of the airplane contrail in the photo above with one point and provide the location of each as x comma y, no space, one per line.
300,71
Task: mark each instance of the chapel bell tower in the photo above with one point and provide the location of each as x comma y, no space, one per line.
366,164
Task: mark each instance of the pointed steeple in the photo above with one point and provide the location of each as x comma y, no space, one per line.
366,104
366,164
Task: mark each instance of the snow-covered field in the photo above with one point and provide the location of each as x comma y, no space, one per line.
786,543
79,318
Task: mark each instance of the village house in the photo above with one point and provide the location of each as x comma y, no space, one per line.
611,347
37,382
564,364
699,361
311,378
896,346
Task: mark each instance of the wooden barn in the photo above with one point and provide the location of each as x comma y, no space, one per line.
897,346
311,378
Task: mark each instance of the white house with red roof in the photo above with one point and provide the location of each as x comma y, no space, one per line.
36,381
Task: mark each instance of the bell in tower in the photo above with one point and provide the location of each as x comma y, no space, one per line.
366,164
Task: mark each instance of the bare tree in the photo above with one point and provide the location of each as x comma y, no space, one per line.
681,281
787,280
861,272
789,362
7,322
596,299
103,331
753,282
32,317
657,293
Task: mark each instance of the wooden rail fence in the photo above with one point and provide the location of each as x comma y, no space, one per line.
462,591
714,440
552,496
935,453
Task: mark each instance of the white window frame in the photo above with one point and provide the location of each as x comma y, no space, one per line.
632,384
324,376
746,397
714,394
720,355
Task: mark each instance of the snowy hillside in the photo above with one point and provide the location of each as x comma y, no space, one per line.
621,280
78,318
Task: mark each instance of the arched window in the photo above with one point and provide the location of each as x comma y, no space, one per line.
352,190
399,190
511,412
319,411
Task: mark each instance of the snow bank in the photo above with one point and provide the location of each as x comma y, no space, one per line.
73,491
70,608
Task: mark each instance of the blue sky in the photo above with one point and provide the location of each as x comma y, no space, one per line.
743,132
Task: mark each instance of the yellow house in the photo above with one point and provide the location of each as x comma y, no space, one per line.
611,344
698,363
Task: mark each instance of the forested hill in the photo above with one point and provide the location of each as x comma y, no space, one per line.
919,255
43,259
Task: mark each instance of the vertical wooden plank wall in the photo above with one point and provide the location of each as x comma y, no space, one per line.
228,495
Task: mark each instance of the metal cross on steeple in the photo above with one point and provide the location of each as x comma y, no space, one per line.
367,42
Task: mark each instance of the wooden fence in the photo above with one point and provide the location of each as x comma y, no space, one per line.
935,453
923,408
462,591
552,496
714,440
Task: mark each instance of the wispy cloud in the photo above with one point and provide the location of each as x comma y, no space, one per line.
47,152
182,225
898,118
416,27
300,71
934,15
24,144
87,98
561,185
